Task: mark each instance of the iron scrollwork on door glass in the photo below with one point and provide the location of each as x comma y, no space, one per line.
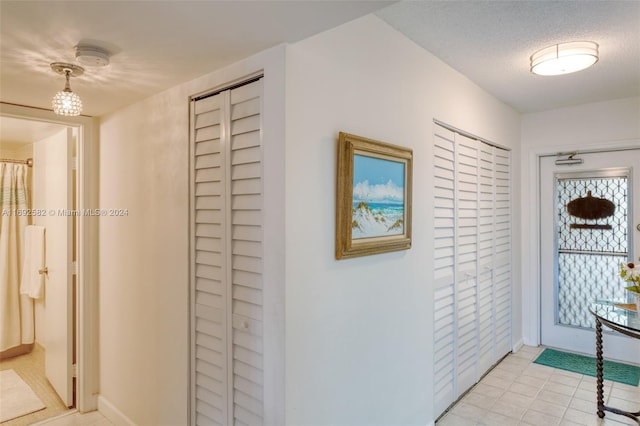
592,240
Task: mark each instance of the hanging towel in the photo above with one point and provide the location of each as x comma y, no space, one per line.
32,283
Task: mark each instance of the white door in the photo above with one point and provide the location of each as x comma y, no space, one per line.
580,257
226,258
472,259
53,194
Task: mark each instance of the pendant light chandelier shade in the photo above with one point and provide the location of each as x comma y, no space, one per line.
65,102
564,58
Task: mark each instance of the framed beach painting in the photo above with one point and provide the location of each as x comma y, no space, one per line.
373,203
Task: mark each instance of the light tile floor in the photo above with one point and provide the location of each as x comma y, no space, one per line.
75,418
518,392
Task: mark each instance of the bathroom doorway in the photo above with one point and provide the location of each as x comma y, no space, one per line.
45,152
64,354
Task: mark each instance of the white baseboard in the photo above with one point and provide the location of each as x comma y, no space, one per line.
112,413
54,418
517,346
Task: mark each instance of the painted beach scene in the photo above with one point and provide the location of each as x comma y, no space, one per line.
378,197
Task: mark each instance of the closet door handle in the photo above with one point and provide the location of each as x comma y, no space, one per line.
44,271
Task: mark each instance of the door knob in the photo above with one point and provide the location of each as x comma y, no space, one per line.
638,227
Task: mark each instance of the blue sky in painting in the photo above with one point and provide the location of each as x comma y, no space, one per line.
377,180
377,171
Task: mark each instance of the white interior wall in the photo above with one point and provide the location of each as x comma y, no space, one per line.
144,275
24,152
16,152
7,153
359,332
583,127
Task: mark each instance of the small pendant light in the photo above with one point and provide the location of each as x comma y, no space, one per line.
65,102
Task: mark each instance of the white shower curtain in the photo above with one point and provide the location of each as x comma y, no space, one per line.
16,310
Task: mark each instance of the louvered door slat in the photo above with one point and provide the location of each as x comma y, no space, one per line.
248,279
211,187
212,377
205,105
209,413
207,175
247,263
209,118
227,257
246,140
247,248
207,134
207,147
246,186
210,299
248,310
251,404
209,286
246,92
207,272
246,108
247,233
247,294
246,171
246,155
248,357
246,417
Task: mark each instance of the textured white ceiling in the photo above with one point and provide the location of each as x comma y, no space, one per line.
491,41
155,45
159,44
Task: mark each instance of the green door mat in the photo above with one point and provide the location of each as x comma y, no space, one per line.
615,371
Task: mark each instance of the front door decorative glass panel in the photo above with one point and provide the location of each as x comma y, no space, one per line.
592,240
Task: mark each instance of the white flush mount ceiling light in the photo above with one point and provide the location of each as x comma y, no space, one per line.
65,102
92,56
564,58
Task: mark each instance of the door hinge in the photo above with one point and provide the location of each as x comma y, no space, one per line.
74,267
74,370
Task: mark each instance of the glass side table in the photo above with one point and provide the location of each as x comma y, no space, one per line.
623,321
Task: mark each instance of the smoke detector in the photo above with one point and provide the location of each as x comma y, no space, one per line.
92,56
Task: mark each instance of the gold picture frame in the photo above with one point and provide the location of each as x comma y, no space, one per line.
373,197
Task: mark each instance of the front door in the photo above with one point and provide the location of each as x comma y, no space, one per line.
589,213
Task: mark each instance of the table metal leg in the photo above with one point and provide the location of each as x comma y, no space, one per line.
599,374
600,380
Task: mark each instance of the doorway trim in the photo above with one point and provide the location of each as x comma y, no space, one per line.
87,260
531,301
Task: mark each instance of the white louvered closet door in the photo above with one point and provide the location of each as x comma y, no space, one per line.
444,268
502,251
472,278
486,247
466,222
226,258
